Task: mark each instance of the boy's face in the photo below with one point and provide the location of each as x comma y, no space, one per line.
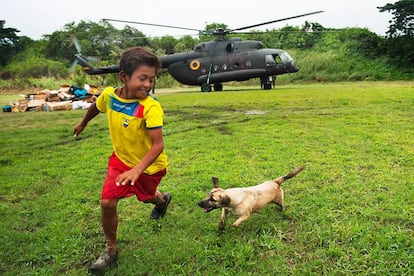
140,83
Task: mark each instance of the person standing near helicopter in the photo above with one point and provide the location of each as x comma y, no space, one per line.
138,162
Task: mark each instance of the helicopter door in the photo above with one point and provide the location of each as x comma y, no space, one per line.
270,61
267,82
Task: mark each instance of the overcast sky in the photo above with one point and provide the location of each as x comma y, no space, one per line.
37,18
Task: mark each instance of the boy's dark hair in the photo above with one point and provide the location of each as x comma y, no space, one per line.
134,57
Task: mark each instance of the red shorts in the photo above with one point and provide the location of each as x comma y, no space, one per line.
144,188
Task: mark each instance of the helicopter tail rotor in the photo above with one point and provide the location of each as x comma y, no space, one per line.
79,56
75,42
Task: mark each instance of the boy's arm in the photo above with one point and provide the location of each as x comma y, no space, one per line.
129,177
90,114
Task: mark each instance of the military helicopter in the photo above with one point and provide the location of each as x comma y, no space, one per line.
221,60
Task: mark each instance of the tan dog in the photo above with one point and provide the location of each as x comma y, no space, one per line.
244,201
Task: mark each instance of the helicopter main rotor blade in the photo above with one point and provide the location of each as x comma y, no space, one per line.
274,21
151,24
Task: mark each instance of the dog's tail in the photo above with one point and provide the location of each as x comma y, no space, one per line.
291,174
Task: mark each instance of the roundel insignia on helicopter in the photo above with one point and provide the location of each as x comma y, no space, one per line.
195,64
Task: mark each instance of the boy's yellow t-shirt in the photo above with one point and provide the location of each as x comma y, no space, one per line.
128,122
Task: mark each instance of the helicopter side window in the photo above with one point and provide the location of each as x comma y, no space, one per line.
230,47
269,60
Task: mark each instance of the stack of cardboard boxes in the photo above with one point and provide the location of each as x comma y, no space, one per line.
66,98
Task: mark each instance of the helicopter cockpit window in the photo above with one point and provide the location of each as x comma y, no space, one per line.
286,58
260,45
277,59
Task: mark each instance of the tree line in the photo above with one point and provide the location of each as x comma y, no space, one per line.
52,55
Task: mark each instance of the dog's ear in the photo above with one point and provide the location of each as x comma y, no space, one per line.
215,181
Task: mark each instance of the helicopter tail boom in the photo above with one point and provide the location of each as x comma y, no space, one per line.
89,69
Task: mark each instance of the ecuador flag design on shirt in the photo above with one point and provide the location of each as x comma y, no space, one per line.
129,122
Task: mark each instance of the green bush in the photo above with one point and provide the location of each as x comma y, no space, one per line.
337,66
37,67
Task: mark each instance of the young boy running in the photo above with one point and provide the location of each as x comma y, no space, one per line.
138,162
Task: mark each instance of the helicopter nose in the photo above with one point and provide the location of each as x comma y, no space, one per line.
293,69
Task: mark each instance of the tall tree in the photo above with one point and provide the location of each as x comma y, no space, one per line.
402,24
400,35
9,42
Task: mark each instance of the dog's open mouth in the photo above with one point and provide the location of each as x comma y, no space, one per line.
206,210
206,206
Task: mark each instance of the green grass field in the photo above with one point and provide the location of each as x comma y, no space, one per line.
351,211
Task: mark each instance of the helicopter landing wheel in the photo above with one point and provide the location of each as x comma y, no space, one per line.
218,87
205,87
266,83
